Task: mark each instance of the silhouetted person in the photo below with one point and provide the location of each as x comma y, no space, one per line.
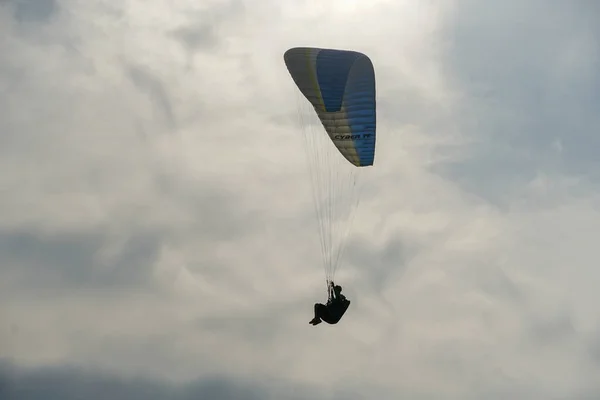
336,306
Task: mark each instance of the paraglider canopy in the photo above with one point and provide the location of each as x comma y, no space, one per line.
340,85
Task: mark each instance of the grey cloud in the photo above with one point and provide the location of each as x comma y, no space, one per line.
208,26
259,326
146,82
378,264
71,260
197,37
33,10
530,74
66,383
122,256
553,329
593,348
498,283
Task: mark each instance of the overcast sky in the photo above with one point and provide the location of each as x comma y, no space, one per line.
156,229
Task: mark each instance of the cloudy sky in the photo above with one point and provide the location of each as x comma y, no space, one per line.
155,230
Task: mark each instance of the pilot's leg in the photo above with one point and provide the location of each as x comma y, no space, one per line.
319,309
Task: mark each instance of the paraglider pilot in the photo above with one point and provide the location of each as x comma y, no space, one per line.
336,306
